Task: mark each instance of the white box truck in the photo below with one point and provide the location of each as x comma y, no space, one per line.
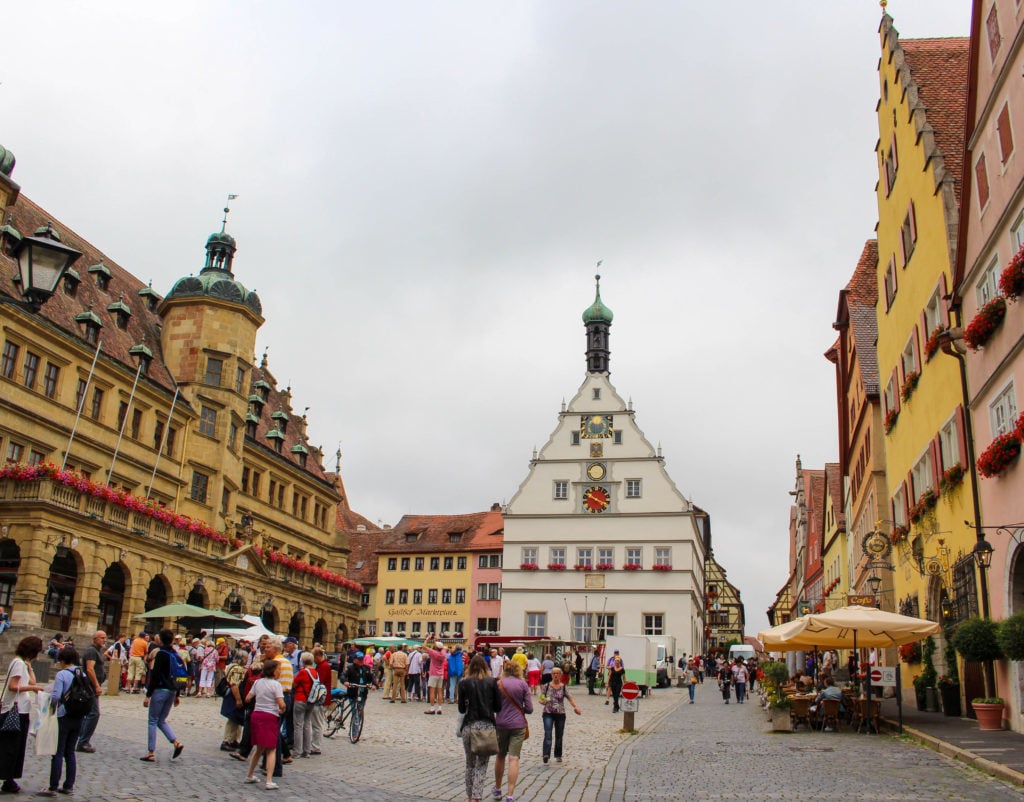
649,659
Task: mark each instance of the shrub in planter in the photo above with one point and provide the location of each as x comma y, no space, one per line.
928,673
975,640
1011,636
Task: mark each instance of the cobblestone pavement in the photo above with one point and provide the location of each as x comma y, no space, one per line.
681,751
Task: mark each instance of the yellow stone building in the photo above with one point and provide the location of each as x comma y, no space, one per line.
148,459
922,87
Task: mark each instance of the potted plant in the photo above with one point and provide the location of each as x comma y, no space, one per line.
929,676
999,455
951,478
890,419
919,694
1011,280
976,641
931,347
775,676
910,652
1010,636
984,325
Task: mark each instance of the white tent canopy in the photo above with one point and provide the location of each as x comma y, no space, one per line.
251,633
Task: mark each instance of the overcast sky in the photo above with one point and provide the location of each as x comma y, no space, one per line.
425,188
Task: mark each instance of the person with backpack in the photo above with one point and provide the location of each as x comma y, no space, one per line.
308,693
162,692
73,697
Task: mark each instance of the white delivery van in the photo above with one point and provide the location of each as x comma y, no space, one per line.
740,650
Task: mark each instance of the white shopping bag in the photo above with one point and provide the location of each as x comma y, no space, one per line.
46,735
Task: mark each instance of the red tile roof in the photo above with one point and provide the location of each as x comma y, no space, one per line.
938,67
834,478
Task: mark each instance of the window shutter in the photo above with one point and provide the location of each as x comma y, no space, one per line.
913,492
961,433
981,179
913,222
925,333
937,467
895,159
896,388
917,347
1005,133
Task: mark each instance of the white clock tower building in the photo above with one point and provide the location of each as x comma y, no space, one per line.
598,539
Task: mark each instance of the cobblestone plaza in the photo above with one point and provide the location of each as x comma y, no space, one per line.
681,752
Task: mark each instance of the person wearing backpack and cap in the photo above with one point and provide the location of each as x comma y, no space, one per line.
162,692
69,721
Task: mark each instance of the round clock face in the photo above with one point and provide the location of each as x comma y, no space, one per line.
596,471
596,499
596,426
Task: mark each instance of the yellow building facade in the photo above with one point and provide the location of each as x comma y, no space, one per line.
928,484
148,459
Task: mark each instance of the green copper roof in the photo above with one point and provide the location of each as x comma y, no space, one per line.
101,268
72,274
298,448
250,418
275,434
597,311
10,231
6,161
149,291
88,317
256,399
119,306
279,415
142,350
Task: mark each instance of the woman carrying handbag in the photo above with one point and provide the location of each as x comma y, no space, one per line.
16,705
479,701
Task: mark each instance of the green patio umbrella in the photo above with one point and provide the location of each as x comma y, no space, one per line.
192,617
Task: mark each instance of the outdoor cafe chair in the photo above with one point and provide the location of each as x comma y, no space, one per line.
800,713
829,714
863,718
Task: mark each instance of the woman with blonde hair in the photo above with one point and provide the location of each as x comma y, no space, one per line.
478,702
516,702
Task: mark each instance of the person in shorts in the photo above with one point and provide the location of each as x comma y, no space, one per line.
137,662
511,724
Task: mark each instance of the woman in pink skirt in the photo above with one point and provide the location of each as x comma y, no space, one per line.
265,721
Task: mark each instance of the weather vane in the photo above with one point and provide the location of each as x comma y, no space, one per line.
227,209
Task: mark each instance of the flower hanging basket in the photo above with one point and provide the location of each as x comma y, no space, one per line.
999,456
989,318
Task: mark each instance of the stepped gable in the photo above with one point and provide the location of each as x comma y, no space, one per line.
143,324
279,401
933,73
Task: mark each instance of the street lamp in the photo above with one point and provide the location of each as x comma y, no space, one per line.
875,582
983,553
42,261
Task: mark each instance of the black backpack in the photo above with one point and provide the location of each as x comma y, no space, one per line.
77,699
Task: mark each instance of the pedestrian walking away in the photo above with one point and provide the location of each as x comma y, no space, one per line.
69,721
479,702
512,726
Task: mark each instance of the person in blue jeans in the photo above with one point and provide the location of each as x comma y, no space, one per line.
455,669
67,727
161,697
690,679
740,675
553,696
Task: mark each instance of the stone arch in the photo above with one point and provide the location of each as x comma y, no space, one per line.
295,625
268,615
61,588
198,596
113,588
319,631
10,561
937,593
340,636
158,593
1015,604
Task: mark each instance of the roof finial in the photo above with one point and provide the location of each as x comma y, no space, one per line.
227,209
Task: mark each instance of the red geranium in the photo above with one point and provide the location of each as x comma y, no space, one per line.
1000,455
989,318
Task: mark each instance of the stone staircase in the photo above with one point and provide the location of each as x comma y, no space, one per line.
9,640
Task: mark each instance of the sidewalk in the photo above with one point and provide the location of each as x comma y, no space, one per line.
1000,753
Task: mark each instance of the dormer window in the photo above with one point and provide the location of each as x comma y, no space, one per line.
301,454
119,309
281,419
262,389
256,403
101,275
149,295
276,438
251,422
455,537
71,282
91,325
143,354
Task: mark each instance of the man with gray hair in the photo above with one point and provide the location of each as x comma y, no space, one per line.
96,673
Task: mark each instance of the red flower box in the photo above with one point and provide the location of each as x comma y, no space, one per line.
909,385
890,420
556,567
1011,280
951,478
583,567
605,566
931,345
999,456
529,567
989,318
899,533
661,567
632,567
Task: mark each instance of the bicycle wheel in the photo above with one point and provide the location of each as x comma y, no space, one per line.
356,728
334,719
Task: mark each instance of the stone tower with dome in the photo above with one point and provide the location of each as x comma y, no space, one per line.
598,539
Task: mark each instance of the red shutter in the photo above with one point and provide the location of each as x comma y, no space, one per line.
924,333
917,347
896,387
913,222
1005,133
936,463
895,159
981,179
912,492
906,501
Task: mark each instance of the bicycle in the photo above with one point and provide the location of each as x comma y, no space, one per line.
340,712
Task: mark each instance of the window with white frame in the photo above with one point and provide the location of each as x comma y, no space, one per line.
557,555
908,359
923,474
590,627
606,556
632,488
389,627
561,489
584,556
949,443
617,437
934,315
890,395
416,629
654,623
987,287
537,624
890,283
663,555
1003,411
529,555
899,506
574,438
633,556
1017,233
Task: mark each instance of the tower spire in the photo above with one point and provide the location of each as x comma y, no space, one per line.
597,319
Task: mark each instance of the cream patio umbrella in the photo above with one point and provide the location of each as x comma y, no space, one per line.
850,628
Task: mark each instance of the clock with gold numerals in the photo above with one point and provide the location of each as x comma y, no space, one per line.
596,471
596,499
